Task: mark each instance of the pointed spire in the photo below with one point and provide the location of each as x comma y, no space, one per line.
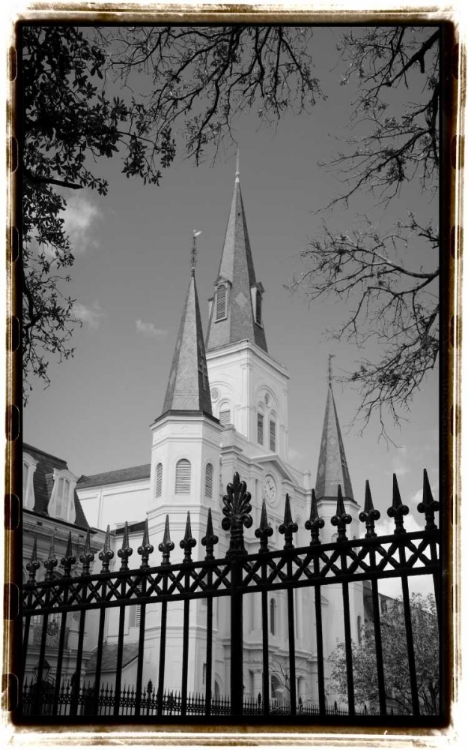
193,255
166,545
69,559
188,542
146,549
188,387
369,514
33,563
428,506
106,553
398,510
51,561
314,523
236,312
237,165
125,551
264,531
341,519
332,467
288,527
210,539
87,557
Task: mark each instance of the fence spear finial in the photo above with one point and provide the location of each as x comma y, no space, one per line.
210,538
51,561
341,519
33,563
87,557
188,542
236,513
314,523
106,553
125,551
428,505
288,527
264,530
69,559
166,545
146,549
369,515
397,510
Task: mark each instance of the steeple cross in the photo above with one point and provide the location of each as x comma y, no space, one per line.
203,371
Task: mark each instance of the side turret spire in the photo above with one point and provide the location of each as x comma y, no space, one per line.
332,467
236,309
188,388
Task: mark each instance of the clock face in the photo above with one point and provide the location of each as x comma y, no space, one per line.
269,489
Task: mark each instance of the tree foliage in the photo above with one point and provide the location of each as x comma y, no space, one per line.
395,660
392,302
198,80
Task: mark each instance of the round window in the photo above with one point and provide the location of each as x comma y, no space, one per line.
214,394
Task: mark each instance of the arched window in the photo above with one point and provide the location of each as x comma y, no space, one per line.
209,480
221,302
272,433
159,478
273,623
63,496
260,420
183,476
258,307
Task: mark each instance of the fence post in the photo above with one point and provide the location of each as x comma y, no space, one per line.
236,513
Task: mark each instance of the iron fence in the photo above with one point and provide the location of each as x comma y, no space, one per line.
318,565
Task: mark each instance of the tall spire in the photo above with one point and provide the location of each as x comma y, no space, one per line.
188,387
236,312
332,467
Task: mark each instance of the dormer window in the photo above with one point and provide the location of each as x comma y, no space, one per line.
221,302
62,500
29,467
256,292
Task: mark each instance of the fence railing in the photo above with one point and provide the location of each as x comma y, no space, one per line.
318,565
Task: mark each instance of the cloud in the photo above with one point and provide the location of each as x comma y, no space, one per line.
92,315
149,329
400,465
80,217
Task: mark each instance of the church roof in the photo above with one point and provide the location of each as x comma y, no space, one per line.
131,474
188,388
46,464
332,467
237,269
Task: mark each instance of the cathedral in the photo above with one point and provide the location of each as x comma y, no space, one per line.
225,410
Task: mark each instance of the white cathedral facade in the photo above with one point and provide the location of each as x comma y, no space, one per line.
225,410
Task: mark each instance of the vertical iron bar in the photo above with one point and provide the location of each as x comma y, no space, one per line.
185,648
209,645
58,674
319,636
348,645
292,641
118,669
79,658
40,667
378,641
27,626
141,649
97,675
162,649
236,639
410,642
266,667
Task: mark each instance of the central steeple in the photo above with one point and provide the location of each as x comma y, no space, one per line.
236,309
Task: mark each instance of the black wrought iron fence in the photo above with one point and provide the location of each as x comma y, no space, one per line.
342,563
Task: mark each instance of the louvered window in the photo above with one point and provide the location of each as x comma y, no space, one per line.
221,302
209,480
225,416
260,428
272,435
183,474
258,308
135,613
159,477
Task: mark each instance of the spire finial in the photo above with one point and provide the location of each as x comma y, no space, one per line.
330,374
237,166
193,255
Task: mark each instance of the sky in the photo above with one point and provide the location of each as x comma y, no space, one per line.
130,278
